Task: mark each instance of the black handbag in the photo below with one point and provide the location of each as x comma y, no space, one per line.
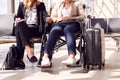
11,59
64,23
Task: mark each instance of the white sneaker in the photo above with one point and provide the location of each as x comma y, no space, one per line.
69,61
45,62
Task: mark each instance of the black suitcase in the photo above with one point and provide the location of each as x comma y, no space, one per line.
95,48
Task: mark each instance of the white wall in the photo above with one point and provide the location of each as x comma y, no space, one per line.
106,8
3,6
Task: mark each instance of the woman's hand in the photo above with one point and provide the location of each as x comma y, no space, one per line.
63,19
19,20
66,18
48,20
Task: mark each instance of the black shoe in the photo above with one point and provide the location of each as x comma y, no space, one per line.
19,65
32,59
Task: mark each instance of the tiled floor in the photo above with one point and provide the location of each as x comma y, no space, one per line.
59,72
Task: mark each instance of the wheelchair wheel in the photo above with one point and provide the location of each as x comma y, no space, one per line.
43,41
41,55
83,60
83,55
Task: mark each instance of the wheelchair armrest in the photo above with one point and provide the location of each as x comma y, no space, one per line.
47,27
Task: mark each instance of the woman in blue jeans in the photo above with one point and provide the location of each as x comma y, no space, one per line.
65,11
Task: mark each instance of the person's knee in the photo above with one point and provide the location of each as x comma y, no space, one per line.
55,30
67,30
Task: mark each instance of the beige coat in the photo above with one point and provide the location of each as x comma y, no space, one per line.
77,11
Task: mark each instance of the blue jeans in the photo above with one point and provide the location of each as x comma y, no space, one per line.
69,31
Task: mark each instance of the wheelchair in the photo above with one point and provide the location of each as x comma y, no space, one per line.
80,36
61,42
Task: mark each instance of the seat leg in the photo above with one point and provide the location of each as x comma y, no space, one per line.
117,43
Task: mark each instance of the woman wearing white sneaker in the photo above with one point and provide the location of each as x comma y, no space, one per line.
67,10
